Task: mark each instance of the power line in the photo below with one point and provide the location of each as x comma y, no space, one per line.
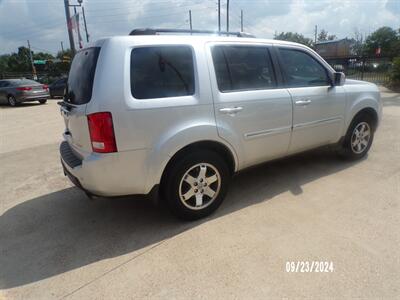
148,17
138,9
131,12
56,22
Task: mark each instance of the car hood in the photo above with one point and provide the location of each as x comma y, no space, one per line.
353,81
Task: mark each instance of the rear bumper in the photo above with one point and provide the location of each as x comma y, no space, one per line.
27,98
113,174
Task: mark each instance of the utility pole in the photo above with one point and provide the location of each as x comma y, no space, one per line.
190,20
241,20
84,22
31,59
62,47
219,15
227,16
69,25
315,34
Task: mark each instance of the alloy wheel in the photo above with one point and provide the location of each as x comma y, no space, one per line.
12,101
360,137
199,186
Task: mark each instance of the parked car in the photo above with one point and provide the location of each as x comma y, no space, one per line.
178,115
57,88
15,91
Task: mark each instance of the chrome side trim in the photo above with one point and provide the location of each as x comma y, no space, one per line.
317,122
262,133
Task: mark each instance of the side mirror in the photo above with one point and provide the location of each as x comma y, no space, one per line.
339,78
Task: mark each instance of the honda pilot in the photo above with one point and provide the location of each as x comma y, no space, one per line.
178,115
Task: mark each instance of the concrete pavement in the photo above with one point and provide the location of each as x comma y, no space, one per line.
56,243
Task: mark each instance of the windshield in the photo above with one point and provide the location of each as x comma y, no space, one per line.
81,76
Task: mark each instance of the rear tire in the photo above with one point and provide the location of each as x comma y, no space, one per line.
358,139
196,184
42,101
12,101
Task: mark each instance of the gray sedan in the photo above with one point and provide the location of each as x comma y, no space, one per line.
15,91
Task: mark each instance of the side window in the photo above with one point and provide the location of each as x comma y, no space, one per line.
164,71
302,70
243,68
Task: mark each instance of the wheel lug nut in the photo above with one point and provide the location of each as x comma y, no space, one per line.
195,184
201,179
196,190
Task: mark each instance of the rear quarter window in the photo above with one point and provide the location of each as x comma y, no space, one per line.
81,75
162,71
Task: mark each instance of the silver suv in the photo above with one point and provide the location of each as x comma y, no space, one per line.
179,114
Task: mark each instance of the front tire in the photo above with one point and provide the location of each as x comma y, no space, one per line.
12,101
358,139
196,184
42,101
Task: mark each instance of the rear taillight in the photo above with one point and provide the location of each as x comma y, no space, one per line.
101,131
24,88
45,87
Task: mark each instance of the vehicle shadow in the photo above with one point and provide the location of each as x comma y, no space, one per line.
62,231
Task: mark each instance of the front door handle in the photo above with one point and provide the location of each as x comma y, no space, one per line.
231,110
305,101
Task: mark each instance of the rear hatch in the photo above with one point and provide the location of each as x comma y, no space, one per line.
77,94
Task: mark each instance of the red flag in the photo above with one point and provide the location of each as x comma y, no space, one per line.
378,51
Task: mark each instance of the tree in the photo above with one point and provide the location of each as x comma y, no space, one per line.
4,62
294,37
323,36
20,63
385,38
357,43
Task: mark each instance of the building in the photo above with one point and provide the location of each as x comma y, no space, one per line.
334,48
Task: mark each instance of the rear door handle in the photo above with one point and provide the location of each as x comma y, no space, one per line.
231,110
304,101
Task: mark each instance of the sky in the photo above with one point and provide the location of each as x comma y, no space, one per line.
43,21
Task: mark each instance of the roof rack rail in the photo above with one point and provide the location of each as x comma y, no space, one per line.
155,31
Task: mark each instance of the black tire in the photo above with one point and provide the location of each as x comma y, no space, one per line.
173,182
42,101
347,150
12,101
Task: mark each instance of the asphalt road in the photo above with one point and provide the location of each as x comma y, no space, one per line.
56,243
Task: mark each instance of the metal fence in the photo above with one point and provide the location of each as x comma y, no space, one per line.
373,69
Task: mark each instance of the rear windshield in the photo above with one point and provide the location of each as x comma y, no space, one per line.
27,81
81,75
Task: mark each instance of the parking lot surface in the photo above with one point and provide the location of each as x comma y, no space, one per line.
56,243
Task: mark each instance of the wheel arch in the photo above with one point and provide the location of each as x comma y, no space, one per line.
223,150
370,111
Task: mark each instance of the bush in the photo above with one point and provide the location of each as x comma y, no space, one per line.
395,75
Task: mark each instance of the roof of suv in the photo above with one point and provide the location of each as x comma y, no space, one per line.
180,38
